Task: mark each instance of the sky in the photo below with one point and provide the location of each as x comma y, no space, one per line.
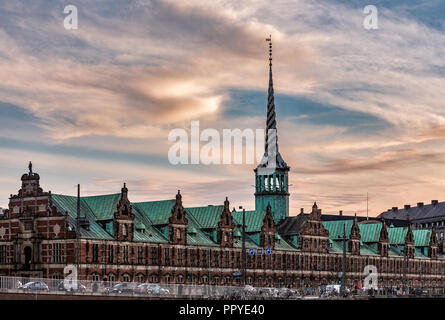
358,110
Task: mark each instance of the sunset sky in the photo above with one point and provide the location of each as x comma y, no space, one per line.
358,110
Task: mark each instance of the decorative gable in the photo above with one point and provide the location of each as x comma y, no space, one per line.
383,240
267,235
177,223
409,242
123,218
432,247
225,227
313,236
354,238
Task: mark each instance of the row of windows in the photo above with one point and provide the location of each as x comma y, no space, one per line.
232,259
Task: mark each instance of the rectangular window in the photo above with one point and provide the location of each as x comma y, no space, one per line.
154,256
57,252
238,260
140,255
205,261
3,254
226,255
192,257
125,258
180,257
110,254
167,256
95,248
214,258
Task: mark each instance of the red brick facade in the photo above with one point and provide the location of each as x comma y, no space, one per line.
36,240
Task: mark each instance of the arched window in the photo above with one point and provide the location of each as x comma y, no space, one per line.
95,276
180,278
126,277
140,278
125,210
111,278
154,279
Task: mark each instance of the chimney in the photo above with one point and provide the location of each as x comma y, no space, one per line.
407,206
395,209
341,212
419,204
434,202
301,210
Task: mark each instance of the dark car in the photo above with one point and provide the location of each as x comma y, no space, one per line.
123,287
35,286
151,288
63,287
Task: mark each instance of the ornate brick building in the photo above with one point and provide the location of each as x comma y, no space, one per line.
110,238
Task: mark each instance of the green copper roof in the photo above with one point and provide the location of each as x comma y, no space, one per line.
69,204
370,232
335,228
104,206
198,238
158,212
208,217
254,219
397,235
422,238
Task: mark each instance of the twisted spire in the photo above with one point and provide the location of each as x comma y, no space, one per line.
271,123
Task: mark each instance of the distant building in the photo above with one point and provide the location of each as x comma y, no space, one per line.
422,216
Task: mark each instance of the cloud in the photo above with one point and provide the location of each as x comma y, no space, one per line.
136,69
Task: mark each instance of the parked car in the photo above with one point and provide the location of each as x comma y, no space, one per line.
123,287
151,288
286,293
35,286
62,287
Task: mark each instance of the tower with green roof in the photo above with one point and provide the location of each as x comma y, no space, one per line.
271,175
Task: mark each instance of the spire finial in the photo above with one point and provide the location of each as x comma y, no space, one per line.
30,167
270,49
